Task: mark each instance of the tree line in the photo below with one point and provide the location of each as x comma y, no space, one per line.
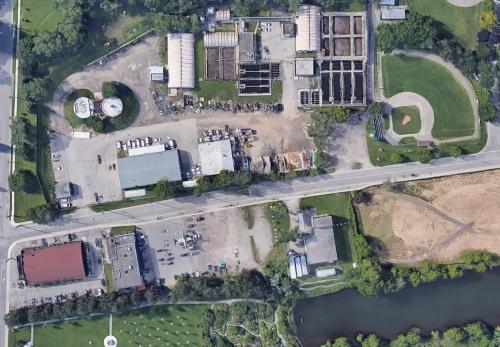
474,334
87,304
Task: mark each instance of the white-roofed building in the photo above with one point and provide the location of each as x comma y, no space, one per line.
308,36
393,12
215,157
220,39
181,61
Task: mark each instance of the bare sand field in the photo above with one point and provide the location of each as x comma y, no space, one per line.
441,218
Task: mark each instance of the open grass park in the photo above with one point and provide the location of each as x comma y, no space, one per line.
406,120
453,115
458,22
157,326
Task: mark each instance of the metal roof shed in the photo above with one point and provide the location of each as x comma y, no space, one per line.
180,60
387,2
308,34
144,170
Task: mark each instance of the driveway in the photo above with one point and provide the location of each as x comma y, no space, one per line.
424,107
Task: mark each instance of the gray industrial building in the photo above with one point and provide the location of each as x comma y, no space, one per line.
148,169
320,246
123,255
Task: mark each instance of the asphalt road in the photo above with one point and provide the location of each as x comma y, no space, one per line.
265,192
6,47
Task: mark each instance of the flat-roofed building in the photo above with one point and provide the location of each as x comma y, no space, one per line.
124,260
181,61
393,12
157,74
147,169
215,157
304,66
308,35
320,246
54,264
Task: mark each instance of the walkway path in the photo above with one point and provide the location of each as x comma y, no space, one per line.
464,3
457,74
426,114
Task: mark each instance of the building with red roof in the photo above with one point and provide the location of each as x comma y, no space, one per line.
54,264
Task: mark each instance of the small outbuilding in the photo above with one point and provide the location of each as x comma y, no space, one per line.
157,74
304,67
393,13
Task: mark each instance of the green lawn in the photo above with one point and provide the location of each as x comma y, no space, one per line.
39,15
452,110
121,230
458,22
339,206
277,215
157,326
412,127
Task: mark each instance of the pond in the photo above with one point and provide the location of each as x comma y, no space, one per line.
438,305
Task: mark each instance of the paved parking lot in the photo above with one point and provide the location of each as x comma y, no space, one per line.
78,157
28,295
222,235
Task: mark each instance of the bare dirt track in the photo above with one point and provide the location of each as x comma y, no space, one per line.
441,218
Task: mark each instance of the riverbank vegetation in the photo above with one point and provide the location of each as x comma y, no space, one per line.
474,334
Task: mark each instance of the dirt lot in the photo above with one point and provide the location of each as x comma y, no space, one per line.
444,218
221,234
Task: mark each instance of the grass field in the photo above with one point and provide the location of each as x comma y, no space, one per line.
157,326
39,15
458,22
452,110
339,206
412,127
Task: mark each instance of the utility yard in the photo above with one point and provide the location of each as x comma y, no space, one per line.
441,218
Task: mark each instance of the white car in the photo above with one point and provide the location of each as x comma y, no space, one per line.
266,29
60,168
